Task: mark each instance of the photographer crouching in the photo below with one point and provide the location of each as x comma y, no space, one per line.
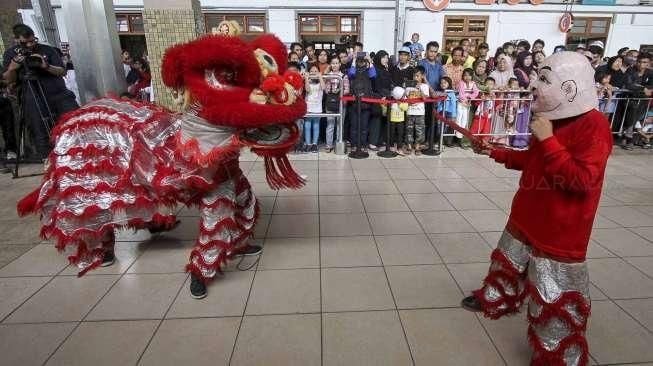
37,71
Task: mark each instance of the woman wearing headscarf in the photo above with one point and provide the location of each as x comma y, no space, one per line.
503,72
501,76
525,73
480,74
524,69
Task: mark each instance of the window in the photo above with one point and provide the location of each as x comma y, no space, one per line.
250,24
588,29
456,28
328,24
130,24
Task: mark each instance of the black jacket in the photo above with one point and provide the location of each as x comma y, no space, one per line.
636,83
382,84
399,76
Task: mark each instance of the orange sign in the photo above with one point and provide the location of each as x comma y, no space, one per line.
437,5
566,22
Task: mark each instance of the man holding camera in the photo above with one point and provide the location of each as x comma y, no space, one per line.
37,70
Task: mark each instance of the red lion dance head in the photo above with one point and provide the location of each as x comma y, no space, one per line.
244,85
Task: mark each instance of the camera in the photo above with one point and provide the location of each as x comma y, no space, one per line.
361,55
30,60
411,83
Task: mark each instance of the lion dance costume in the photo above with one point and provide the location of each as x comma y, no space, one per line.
117,163
541,254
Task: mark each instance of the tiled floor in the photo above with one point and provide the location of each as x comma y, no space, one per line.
364,266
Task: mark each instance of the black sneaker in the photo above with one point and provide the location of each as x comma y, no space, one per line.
248,250
471,303
197,287
109,258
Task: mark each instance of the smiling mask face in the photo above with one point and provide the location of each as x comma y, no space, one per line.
564,87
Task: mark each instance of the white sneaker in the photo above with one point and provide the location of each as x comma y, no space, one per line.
11,155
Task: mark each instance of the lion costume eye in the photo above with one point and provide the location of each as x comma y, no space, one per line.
267,63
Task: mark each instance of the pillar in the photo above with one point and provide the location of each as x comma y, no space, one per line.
94,47
8,17
168,22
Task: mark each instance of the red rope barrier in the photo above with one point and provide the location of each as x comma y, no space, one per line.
351,98
465,132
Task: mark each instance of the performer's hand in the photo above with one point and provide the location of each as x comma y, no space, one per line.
482,147
542,128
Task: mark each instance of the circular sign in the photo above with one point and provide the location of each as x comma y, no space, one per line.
566,22
435,5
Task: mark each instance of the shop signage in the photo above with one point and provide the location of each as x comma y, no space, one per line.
437,5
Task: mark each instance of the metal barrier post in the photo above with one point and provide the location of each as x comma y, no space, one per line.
387,153
431,151
358,153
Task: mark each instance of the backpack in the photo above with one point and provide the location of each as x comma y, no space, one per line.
332,102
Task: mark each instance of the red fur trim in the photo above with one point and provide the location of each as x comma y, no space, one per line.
171,66
123,121
104,166
243,114
542,357
27,205
226,223
222,201
217,266
121,186
192,148
93,151
557,309
64,239
508,274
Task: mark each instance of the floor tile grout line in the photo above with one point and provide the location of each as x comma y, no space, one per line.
163,318
629,228
387,279
319,261
496,348
35,292
632,316
251,286
79,323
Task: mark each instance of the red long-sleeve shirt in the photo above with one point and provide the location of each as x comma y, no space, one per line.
560,186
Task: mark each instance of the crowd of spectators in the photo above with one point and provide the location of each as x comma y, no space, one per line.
485,91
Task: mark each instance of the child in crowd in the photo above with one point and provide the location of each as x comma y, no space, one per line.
511,105
449,107
397,118
415,125
604,92
467,90
314,93
645,132
299,147
482,123
335,82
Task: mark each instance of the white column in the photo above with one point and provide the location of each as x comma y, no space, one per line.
94,47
